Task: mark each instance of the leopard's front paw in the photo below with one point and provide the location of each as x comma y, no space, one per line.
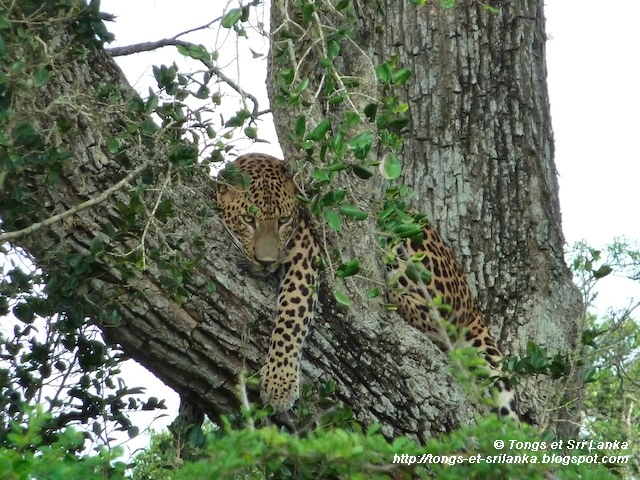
280,386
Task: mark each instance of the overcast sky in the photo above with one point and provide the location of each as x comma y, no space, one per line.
592,58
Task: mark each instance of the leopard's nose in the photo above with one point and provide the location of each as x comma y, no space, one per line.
265,249
266,263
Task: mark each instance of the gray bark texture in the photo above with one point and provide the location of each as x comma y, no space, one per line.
479,153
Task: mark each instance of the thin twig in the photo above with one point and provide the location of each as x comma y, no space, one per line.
173,42
201,27
166,42
153,214
5,237
244,400
147,47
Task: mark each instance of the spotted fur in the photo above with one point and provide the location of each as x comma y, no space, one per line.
418,298
259,208
257,201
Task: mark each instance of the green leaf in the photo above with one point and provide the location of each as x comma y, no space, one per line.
490,8
300,126
320,131
251,132
113,145
602,272
351,118
391,168
198,52
589,336
588,376
245,13
406,230
25,135
401,108
333,49
348,269
351,211
373,293
370,111
321,175
148,126
336,144
337,167
238,119
41,76
302,86
307,11
361,144
361,172
96,246
24,312
394,123
341,298
383,73
152,102
401,76
333,219
232,16
196,437
332,197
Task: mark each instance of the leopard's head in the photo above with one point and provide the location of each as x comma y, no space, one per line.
257,202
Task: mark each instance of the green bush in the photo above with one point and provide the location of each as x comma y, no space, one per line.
30,457
348,453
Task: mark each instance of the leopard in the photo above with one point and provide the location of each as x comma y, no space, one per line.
257,200
259,204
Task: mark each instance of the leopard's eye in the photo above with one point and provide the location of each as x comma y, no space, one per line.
284,220
249,220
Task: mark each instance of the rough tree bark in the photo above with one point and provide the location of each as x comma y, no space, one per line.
479,152
489,184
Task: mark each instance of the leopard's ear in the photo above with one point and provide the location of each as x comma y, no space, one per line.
221,188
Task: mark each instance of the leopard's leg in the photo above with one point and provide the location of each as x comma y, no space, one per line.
296,307
409,293
505,397
414,298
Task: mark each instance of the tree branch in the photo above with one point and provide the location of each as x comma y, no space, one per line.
174,42
146,47
5,237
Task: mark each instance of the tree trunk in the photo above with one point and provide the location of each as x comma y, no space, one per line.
488,184
479,153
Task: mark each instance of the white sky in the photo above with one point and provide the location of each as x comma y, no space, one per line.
594,105
594,108
590,57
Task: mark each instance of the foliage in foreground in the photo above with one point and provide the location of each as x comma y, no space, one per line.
29,456
344,451
351,453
